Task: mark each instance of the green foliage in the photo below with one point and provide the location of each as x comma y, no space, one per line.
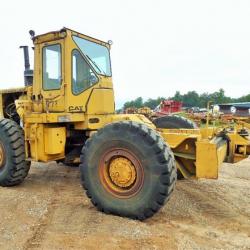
153,103
137,103
245,98
190,99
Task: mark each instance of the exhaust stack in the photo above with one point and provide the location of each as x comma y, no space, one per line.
28,73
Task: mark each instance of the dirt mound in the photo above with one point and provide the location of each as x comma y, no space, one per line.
50,211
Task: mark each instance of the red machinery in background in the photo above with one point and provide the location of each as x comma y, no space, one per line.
168,107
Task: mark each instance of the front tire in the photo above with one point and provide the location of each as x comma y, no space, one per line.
127,170
13,167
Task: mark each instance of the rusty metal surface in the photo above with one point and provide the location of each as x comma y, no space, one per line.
12,90
134,173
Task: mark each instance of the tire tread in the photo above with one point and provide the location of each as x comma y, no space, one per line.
18,168
165,163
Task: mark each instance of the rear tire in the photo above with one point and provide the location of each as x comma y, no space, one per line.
174,121
13,167
144,176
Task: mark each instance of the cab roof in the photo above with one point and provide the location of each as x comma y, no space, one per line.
63,33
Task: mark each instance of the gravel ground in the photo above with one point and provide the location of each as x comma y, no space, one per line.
50,211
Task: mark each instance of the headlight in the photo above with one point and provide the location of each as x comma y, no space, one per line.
233,110
249,111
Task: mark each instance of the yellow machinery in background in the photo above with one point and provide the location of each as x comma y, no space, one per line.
145,111
66,112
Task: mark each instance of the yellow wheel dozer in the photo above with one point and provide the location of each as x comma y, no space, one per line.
66,112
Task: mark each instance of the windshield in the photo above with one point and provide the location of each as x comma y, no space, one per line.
98,55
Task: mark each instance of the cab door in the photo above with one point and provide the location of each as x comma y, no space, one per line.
52,76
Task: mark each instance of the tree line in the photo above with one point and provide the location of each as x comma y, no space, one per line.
190,99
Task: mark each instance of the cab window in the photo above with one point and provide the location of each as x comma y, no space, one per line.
52,75
83,76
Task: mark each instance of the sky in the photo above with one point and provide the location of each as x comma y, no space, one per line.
159,46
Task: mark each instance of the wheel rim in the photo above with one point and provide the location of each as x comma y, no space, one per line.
121,173
2,155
